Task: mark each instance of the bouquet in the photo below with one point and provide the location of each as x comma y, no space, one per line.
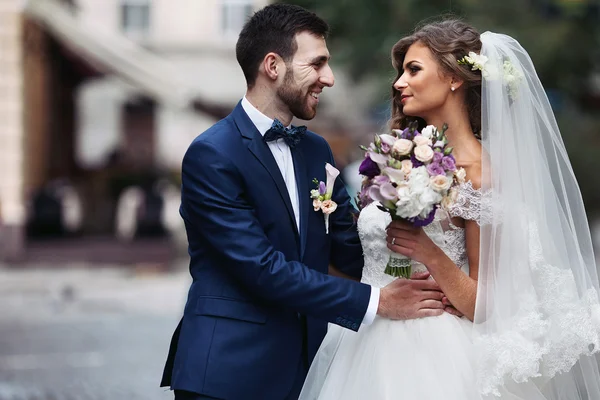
411,174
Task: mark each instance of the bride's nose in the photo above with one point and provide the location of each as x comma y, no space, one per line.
400,84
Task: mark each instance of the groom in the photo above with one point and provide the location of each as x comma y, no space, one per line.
260,300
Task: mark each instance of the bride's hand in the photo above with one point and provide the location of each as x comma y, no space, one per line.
405,239
449,308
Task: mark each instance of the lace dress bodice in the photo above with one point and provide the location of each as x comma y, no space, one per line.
449,237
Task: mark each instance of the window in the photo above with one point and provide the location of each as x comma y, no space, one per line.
135,17
234,14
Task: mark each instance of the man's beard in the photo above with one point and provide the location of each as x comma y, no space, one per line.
294,99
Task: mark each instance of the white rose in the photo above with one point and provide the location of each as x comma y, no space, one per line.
428,131
317,204
424,153
440,183
460,175
407,166
403,147
422,141
328,206
450,198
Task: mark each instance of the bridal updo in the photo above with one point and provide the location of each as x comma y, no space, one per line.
449,41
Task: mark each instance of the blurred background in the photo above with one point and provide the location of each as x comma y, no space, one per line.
99,100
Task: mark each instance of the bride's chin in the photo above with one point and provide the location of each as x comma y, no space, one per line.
408,111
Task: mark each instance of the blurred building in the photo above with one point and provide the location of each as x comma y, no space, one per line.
196,38
97,96
12,127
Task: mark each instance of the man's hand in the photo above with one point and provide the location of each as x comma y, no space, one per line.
411,298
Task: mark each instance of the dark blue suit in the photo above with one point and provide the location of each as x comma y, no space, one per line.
261,297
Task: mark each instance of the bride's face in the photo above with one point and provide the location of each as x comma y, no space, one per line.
422,87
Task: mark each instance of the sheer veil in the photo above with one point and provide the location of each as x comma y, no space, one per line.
537,318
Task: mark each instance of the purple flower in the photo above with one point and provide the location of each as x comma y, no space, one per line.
368,168
363,197
322,188
416,163
406,134
381,180
437,157
448,163
388,192
439,144
387,141
417,222
435,169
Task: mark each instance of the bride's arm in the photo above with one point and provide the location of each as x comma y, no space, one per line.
459,288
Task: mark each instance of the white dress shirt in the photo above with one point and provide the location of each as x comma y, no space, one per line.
283,156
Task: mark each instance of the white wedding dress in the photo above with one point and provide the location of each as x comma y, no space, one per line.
421,359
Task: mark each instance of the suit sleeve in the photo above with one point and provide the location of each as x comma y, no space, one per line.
346,251
213,201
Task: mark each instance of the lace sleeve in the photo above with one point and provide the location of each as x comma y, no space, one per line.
472,204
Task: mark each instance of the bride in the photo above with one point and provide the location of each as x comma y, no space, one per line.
513,252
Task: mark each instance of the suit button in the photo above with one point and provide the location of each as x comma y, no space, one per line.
355,326
338,320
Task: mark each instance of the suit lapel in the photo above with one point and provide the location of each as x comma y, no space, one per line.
261,151
303,195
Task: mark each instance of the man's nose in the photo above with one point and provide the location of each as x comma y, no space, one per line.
327,77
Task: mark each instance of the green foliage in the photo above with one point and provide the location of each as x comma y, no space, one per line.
561,41
561,36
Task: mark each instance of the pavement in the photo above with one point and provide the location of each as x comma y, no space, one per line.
87,332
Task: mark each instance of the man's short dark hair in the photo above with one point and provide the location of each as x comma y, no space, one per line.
273,29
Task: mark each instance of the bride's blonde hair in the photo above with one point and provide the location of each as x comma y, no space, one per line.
449,41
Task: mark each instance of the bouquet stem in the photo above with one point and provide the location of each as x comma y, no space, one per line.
399,266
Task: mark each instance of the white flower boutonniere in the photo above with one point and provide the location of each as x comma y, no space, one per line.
322,194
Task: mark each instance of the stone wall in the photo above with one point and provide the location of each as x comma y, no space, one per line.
12,209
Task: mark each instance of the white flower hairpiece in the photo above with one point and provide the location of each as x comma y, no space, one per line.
511,76
476,61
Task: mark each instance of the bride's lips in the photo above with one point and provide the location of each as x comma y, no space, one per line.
404,97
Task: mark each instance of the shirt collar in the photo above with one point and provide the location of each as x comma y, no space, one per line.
260,120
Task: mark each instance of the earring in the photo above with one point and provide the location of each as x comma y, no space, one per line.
453,88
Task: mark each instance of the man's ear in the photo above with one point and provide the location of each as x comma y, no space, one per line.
273,66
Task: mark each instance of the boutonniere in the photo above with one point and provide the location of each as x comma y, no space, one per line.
322,194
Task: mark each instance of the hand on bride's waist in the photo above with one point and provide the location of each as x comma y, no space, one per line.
417,297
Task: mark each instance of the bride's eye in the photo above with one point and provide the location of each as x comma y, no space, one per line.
413,69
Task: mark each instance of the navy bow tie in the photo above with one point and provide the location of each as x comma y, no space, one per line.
291,136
